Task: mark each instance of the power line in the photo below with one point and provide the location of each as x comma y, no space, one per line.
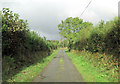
86,8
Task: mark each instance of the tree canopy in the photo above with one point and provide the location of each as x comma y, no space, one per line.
71,26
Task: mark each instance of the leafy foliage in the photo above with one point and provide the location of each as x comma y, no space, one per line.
103,37
19,44
70,29
18,38
95,67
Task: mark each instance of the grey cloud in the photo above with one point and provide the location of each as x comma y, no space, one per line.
44,15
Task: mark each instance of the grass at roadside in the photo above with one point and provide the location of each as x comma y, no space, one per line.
29,73
61,63
89,72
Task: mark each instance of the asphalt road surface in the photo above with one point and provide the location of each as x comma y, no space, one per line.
60,69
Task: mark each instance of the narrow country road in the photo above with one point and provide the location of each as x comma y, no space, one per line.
60,69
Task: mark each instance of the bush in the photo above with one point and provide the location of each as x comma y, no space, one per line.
19,44
102,38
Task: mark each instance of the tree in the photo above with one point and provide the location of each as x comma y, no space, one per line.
70,27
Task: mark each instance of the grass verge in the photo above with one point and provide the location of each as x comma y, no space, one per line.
61,63
89,72
29,73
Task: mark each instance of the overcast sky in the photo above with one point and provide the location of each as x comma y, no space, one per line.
44,15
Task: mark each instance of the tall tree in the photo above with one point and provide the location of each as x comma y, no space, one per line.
70,27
